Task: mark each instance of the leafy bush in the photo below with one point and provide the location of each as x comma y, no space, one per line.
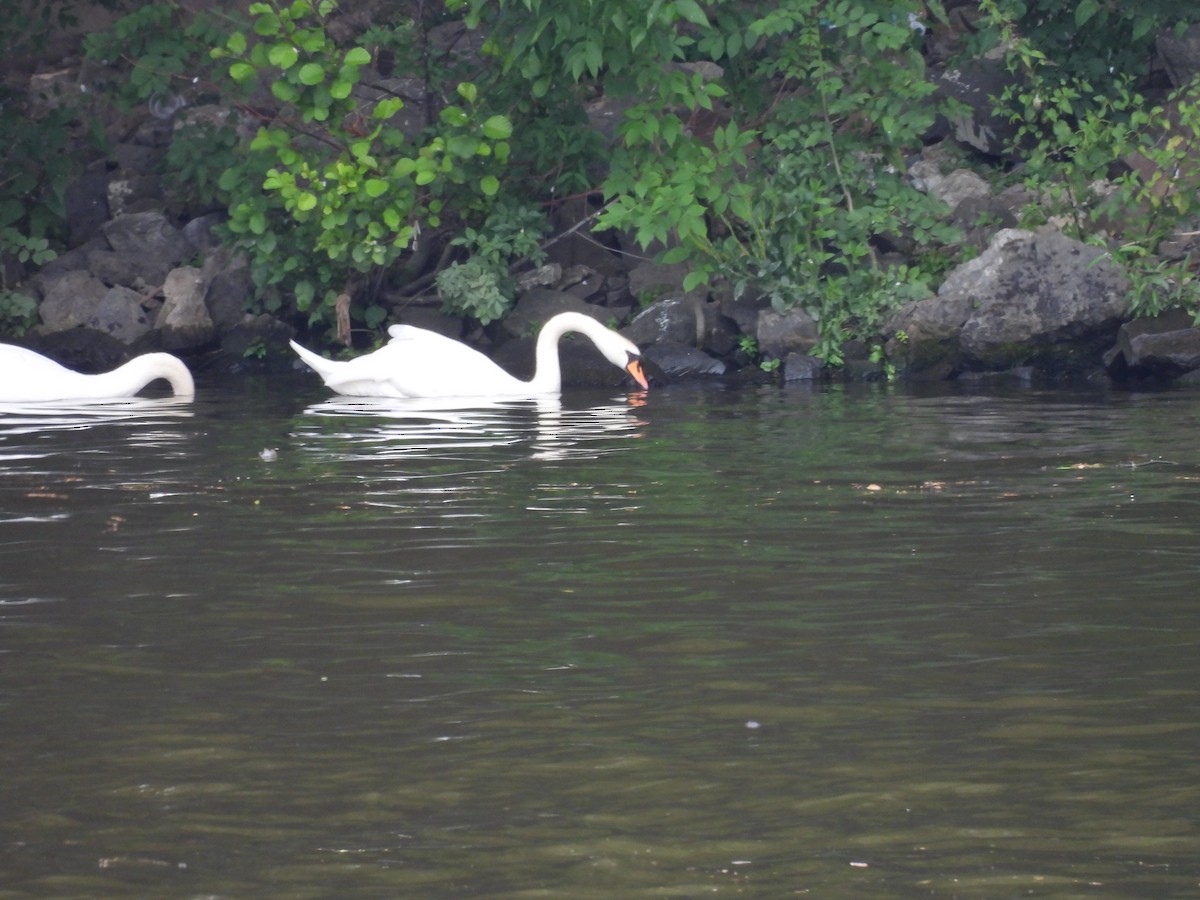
1108,163
330,194
786,192
481,286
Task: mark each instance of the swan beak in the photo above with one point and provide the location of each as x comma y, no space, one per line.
634,368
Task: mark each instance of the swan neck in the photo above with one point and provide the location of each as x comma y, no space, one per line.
130,378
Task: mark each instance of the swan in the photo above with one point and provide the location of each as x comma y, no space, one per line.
26,375
424,364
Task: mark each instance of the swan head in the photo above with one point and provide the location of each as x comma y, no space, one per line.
622,353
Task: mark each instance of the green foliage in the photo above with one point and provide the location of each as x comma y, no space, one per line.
18,311
1090,40
330,194
481,286
1074,135
159,49
786,190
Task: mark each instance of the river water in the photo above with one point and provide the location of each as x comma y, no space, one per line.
838,642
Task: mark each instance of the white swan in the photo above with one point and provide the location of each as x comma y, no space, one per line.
29,376
421,363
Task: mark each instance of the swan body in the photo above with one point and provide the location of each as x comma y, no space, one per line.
29,376
421,363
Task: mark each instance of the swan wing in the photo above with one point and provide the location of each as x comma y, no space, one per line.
414,363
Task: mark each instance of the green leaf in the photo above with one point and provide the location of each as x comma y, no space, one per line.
340,89
375,187
1085,11
454,115
305,202
267,24
285,91
691,11
241,72
387,108
283,55
236,43
490,185
357,56
676,255
311,73
497,128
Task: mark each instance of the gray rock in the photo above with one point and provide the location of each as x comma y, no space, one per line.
682,361
68,298
802,367
976,83
779,334
677,319
149,233
1180,55
184,320
120,313
1029,296
1166,345
538,305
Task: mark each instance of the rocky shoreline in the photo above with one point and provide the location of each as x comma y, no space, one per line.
1032,305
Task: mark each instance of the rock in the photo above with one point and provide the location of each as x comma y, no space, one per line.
120,313
158,244
1162,346
184,319
674,319
227,281
538,305
433,320
1180,55
976,83
85,203
802,367
779,334
650,280
68,298
952,189
682,361
77,298
257,343
1029,296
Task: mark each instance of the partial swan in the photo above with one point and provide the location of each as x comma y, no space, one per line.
29,376
425,364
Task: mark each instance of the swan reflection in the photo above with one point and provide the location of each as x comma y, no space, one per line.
425,427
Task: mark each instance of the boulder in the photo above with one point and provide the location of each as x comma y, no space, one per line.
538,305
677,319
976,83
682,361
1162,346
1028,297
779,334
802,367
184,320
74,298
149,234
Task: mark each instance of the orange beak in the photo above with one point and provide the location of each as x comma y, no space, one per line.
635,369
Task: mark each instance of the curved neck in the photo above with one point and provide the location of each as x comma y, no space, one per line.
127,380
547,373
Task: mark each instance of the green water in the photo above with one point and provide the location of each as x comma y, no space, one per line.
843,643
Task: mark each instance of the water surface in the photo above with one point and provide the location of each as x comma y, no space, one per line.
841,643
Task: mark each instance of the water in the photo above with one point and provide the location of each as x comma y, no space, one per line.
840,643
